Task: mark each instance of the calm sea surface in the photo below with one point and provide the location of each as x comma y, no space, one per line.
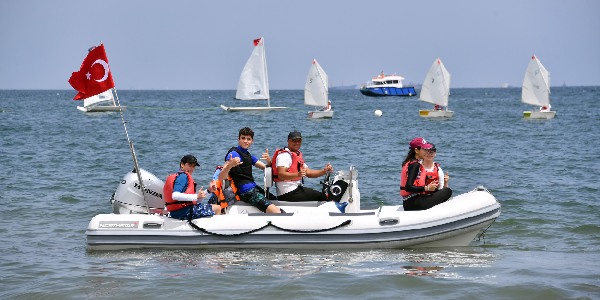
59,168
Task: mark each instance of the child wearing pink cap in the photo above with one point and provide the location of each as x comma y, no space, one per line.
423,183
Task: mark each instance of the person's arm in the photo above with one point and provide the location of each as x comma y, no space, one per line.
189,197
259,164
413,171
318,173
184,197
233,161
212,185
446,179
179,187
265,156
441,180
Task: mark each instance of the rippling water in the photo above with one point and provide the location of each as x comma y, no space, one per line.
60,166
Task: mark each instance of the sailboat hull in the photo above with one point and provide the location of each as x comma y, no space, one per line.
251,108
436,113
103,102
539,114
320,114
100,108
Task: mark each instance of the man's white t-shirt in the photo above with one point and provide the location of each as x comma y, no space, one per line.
284,159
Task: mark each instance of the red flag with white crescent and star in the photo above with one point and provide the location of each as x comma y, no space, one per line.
94,75
257,41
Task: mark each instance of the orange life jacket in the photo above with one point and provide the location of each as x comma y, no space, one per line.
173,205
297,163
423,178
223,184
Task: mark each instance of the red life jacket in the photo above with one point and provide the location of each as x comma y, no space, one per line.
173,205
297,163
433,175
423,178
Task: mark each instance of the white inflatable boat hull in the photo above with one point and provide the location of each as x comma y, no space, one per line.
311,225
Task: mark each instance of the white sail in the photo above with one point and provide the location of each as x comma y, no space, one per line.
536,84
316,90
105,98
436,86
254,83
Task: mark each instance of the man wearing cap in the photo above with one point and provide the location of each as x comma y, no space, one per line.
290,169
422,187
181,198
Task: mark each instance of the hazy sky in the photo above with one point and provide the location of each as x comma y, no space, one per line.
204,44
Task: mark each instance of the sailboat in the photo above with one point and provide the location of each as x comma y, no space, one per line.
435,90
100,103
536,90
254,81
316,92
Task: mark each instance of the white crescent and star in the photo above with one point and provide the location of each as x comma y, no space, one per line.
106,70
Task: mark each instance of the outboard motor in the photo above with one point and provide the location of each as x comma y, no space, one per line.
345,189
128,199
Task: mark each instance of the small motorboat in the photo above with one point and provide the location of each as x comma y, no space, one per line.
387,85
138,220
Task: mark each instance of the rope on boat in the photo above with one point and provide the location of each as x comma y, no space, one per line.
220,234
347,222
313,231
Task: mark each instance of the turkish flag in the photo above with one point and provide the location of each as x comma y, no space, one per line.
257,41
94,75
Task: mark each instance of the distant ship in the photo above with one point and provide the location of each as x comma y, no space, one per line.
387,85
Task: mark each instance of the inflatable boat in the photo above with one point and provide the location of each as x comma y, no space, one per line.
138,220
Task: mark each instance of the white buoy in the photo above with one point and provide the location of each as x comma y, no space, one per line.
378,113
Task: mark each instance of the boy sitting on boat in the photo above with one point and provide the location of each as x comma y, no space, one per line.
239,164
181,198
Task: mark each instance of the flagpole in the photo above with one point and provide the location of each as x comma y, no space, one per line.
135,161
78,82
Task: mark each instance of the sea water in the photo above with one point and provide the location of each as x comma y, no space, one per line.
59,168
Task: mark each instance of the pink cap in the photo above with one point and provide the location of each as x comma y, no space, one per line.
420,143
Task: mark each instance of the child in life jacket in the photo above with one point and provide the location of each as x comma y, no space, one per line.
423,183
223,192
181,198
238,165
